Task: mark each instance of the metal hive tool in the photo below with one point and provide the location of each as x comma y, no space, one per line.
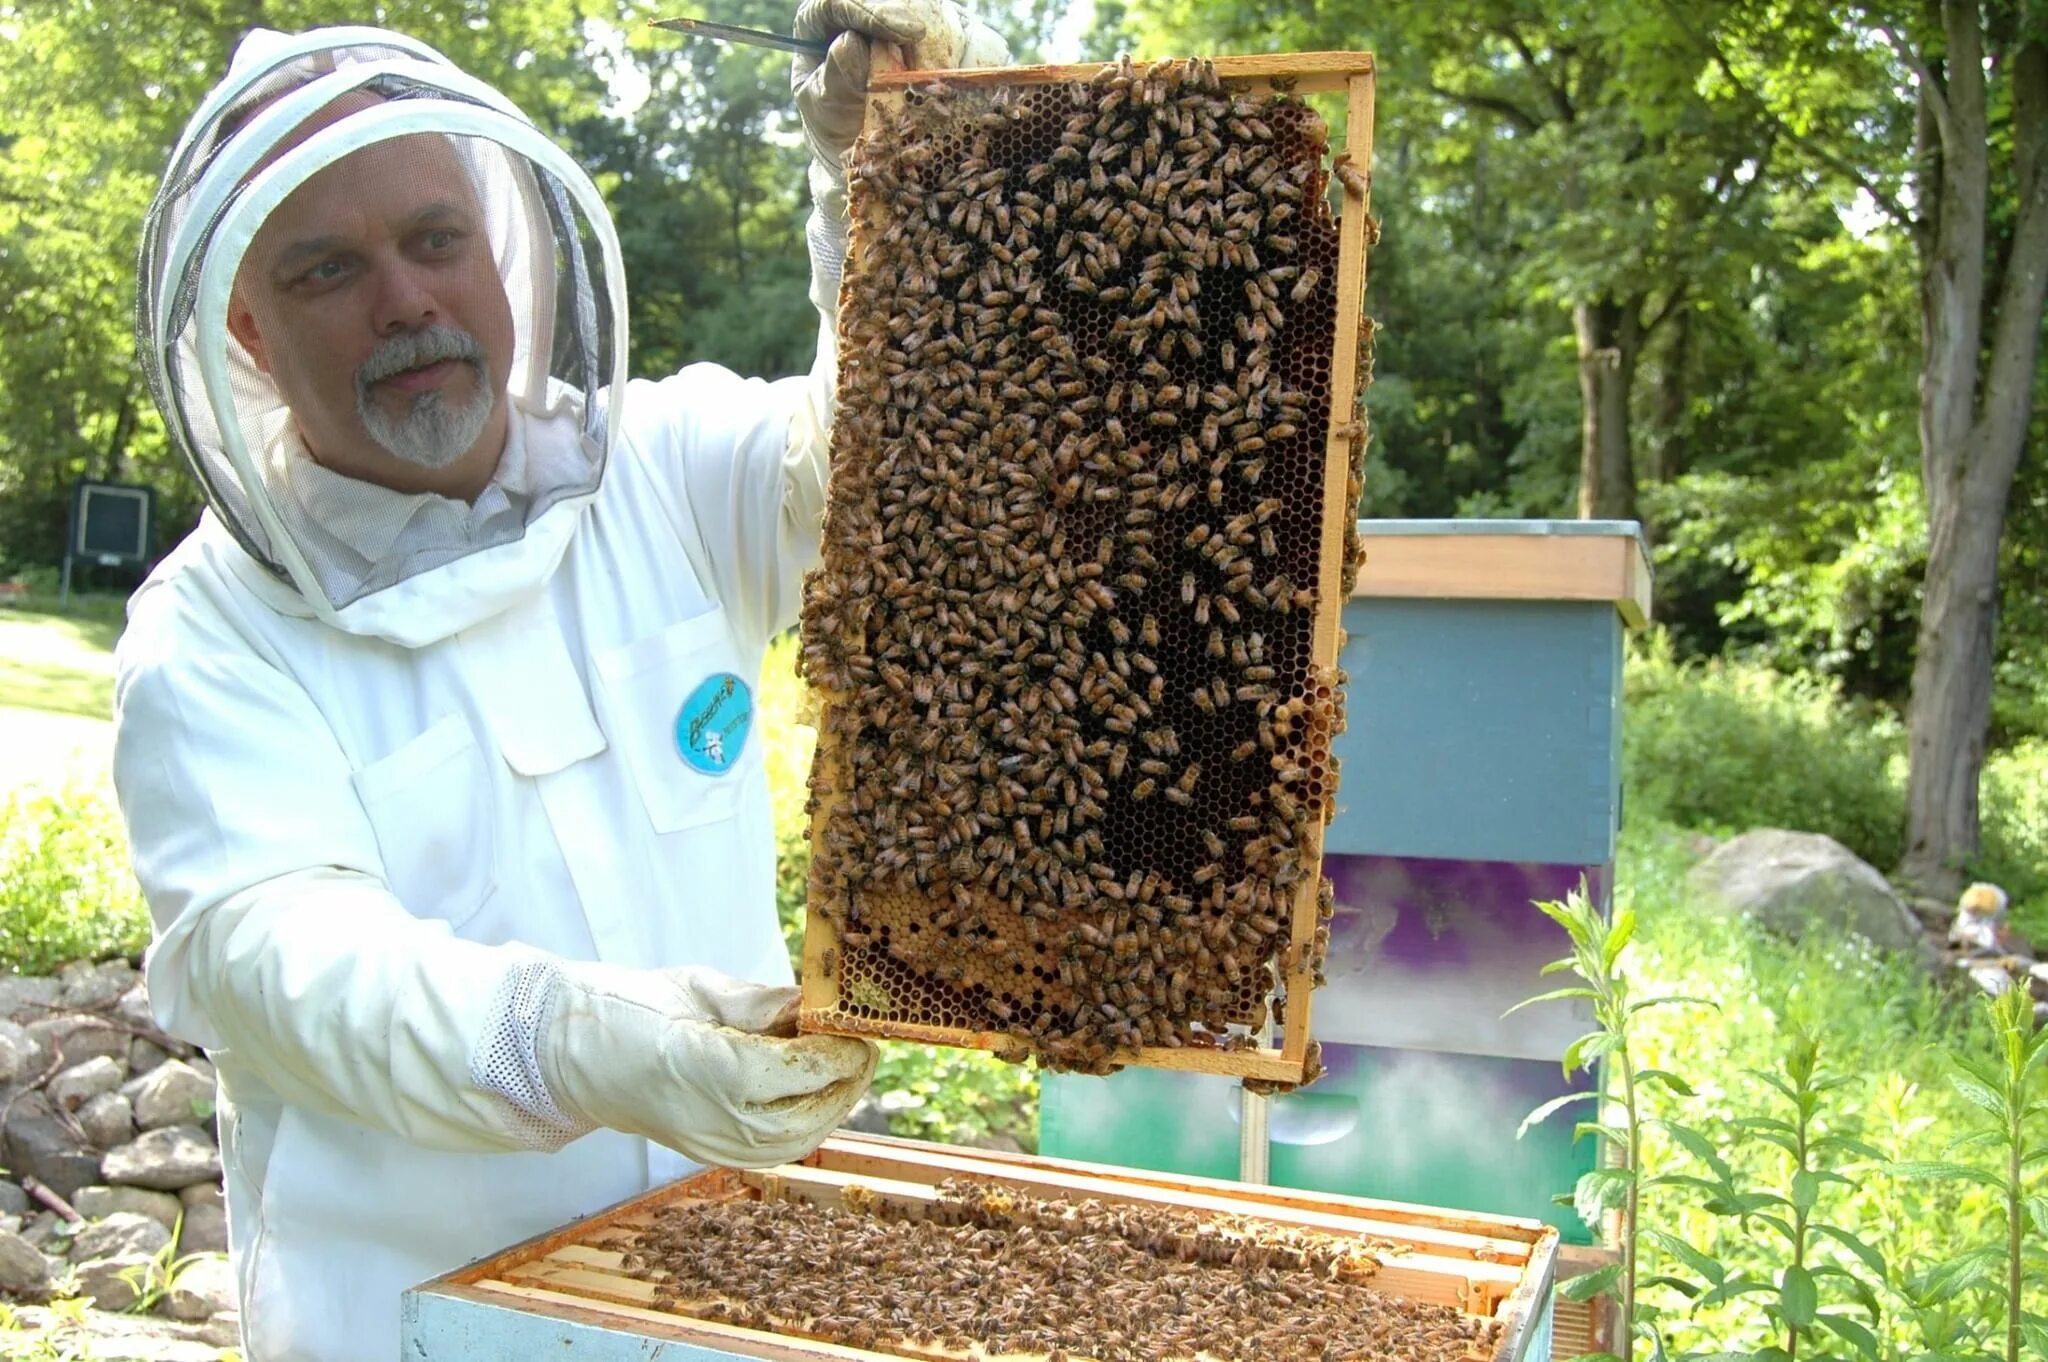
1074,633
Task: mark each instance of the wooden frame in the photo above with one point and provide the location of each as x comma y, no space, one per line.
564,1292
1352,73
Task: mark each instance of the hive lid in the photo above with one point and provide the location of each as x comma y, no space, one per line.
1543,560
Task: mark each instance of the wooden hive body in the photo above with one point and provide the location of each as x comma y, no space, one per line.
1169,586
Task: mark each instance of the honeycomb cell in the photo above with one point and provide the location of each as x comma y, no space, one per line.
1073,762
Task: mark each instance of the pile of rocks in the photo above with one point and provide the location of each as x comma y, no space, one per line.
112,1191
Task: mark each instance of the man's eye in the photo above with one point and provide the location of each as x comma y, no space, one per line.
442,239
326,272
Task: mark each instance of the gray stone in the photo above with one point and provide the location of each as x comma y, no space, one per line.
173,1093
80,1037
13,1200
116,1283
39,1145
27,997
1792,882
134,1007
15,1049
202,1194
119,1234
224,1330
80,1083
97,1203
166,1159
145,1054
10,1224
23,1271
205,1231
47,1228
107,1120
201,1066
868,1117
202,1290
89,986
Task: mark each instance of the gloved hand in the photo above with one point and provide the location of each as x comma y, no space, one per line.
701,1062
831,95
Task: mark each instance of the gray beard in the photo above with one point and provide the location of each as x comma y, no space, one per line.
430,433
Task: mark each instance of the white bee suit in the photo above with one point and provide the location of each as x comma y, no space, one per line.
422,842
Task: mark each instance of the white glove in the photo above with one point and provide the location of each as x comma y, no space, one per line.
691,1058
831,95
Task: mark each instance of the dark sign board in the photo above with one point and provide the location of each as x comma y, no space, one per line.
110,523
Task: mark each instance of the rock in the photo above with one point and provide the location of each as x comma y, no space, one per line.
10,1224
116,1283
80,1083
201,1066
202,1291
119,1234
1988,975
134,1008
1794,881
23,1272
46,1228
205,1231
999,1141
13,1201
224,1330
38,1145
173,1093
145,1054
15,1051
202,1194
107,1120
97,1203
867,1116
1935,914
79,1037
87,986
166,1159
26,997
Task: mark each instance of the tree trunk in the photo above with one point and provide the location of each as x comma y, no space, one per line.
1666,454
1969,451
1610,335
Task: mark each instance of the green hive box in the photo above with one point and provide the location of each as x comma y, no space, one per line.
1481,773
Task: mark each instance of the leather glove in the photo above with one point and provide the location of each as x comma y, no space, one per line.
831,95
698,1061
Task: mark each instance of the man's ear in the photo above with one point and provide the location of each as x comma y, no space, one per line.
242,326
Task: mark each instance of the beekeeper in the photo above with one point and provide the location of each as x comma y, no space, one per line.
435,740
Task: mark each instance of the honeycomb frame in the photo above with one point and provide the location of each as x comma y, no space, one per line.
839,980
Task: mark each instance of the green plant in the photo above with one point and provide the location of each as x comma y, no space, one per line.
1787,1207
65,882
65,1338
158,1278
957,1096
1597,948
2003,1089
1730,745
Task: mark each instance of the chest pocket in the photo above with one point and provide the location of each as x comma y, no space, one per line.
430,807
680,709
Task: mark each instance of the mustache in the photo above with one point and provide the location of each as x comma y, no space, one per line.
413,349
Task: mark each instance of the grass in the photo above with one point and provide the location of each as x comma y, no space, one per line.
60,662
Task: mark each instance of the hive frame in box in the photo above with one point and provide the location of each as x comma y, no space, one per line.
1293,73
564,1296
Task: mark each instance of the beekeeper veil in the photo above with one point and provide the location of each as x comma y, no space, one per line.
364,269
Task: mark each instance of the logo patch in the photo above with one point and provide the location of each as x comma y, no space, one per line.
712,726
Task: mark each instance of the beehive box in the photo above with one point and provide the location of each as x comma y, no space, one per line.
836,1258
1075,633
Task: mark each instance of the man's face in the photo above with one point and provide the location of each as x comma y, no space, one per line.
371,299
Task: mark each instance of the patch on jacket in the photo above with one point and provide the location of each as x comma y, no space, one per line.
712,726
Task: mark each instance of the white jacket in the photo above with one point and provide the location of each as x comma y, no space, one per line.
354,851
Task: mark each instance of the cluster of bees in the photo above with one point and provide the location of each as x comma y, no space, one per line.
1074,758
1014,1274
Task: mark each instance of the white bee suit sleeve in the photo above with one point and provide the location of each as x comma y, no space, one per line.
278,940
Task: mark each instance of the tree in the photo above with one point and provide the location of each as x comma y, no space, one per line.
1968,186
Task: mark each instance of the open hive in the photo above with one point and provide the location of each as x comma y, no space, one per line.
1074,633
883,1247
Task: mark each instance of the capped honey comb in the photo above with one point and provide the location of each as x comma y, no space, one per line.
1074,629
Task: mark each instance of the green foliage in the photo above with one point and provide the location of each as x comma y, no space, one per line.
2006,1088
1729,746
956,1096
66,890
67,1337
